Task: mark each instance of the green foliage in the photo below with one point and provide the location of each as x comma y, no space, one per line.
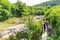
0,6
4,14
50,3
19,9
4,10
11,37
26,11
35,10
53,15
18,36
7,9
51,38
5,4
40,10
35,29
13,9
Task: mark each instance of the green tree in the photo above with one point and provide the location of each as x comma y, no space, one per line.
5,4
4,14
20,7
13,9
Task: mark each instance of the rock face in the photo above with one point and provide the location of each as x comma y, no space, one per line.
47,27
13,30
38,18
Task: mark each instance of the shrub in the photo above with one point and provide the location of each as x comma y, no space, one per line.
4,14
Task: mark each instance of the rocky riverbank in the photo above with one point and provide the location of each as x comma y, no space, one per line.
17,28
13,30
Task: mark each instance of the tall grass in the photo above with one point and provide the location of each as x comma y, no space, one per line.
35,29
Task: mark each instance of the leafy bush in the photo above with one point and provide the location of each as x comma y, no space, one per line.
53,15
4,14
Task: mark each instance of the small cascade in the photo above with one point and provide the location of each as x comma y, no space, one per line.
46,27
45,33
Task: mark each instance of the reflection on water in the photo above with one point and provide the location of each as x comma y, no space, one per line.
24,39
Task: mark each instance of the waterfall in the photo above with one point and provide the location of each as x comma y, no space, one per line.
45,32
